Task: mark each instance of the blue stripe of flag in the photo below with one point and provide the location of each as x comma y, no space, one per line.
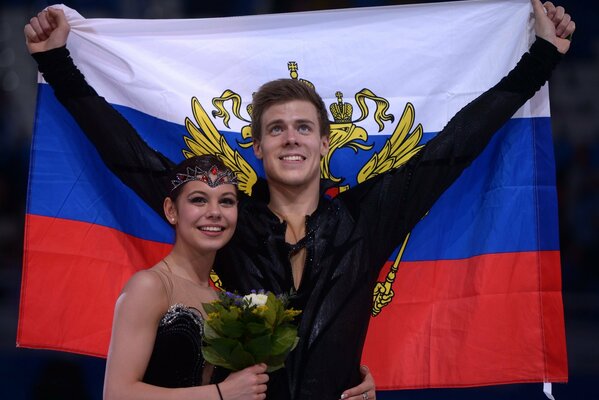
69,180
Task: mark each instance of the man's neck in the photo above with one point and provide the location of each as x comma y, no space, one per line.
291,203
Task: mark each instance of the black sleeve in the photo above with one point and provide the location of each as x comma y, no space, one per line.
392,203
125,153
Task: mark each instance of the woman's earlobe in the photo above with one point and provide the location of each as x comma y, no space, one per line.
169,211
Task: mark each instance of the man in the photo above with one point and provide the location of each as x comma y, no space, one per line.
289,235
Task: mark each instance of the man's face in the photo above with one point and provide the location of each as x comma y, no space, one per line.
291,146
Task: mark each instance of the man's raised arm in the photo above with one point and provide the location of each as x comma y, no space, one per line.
411,190
125,153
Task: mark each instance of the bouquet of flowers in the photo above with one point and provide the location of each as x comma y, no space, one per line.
240,331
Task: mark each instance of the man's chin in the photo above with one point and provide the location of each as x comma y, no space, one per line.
291,181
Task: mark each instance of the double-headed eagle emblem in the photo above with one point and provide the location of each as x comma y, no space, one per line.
401,145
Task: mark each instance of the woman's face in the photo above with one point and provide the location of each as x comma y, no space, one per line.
204,217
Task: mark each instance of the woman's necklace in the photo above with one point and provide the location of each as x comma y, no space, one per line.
200,285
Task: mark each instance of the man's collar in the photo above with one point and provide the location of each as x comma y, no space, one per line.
261,194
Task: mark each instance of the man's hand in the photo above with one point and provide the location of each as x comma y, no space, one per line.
553,24
365,390
48,30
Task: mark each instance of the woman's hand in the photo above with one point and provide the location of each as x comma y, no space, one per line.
46,31
247,384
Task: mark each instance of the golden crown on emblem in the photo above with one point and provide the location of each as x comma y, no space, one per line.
341,112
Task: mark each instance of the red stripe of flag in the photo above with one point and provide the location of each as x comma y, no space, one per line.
85,266
475,320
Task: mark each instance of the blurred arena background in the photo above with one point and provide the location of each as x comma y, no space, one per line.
36,374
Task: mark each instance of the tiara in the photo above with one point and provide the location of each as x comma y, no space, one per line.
213,177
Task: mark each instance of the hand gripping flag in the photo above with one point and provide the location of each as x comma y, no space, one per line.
472,297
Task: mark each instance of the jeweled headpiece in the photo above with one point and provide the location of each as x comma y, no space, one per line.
213,177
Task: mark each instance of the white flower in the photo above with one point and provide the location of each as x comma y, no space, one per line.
256,299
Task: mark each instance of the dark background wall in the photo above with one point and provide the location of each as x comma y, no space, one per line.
37,374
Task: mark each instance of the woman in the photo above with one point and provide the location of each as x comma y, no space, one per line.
157,330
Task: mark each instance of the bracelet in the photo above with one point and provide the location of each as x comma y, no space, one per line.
220,395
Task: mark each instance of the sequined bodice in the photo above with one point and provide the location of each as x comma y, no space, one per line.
176,359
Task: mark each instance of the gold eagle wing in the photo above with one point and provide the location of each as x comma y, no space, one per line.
206,139
399,147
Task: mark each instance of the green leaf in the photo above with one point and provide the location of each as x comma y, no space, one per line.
214,358
259,347
269,314
223,346
275,362
271,368
283,339
210,332
240,358
295,342
257,328
232,328
276,307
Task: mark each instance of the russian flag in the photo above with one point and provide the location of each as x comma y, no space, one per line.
474,295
